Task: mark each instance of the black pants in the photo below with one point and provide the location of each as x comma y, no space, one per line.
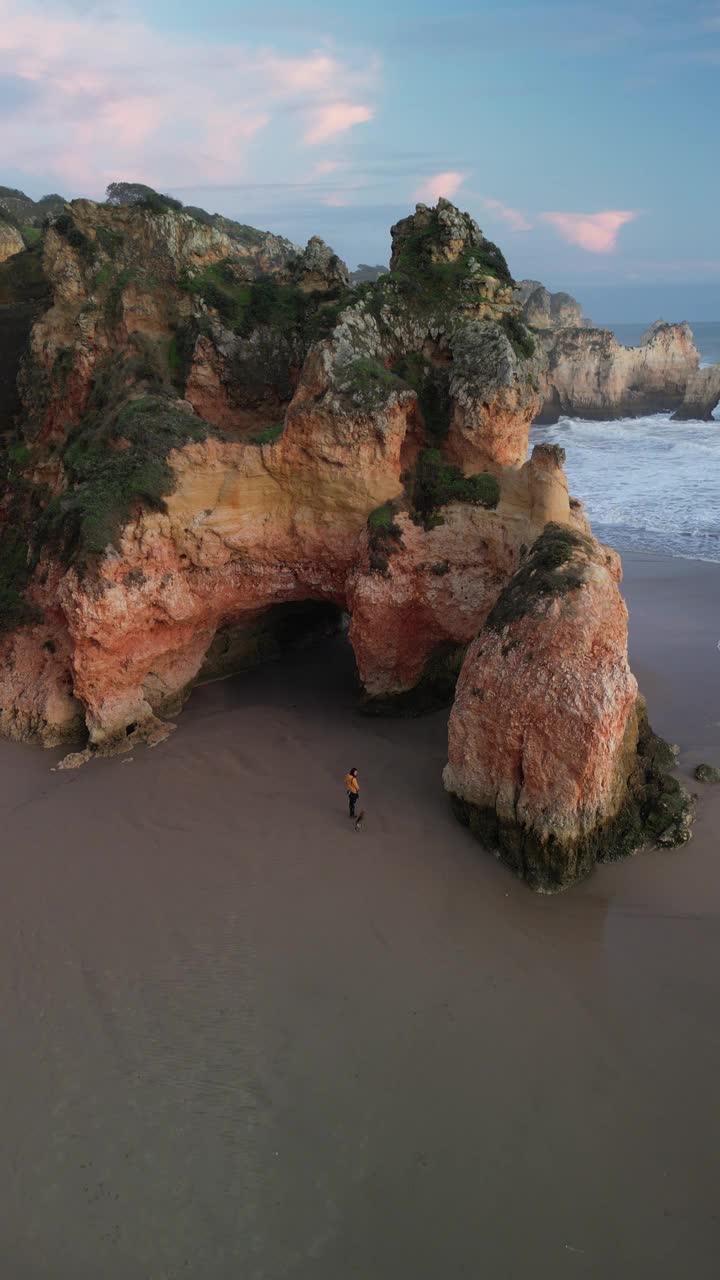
353,799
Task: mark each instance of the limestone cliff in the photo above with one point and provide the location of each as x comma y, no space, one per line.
542,309
209,432
11,241
205,433
702,395
590,375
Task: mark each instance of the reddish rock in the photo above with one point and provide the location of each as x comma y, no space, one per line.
547,761
394,483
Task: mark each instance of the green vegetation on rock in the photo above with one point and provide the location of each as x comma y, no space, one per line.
246,306
521,340
22,279
437,482
269,434
141,197
707,773
546,572
66,227
431,383
110,240
115,460
15,610
415,257
368,384
656,810
384,537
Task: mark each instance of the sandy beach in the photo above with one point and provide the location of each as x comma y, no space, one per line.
241,1041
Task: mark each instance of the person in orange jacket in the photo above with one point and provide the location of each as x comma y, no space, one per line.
352,786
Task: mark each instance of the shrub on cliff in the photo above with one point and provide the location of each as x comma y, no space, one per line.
521,340
65,226
367,384
431,383
15,610
246,306
269,434
9,218
114,462
384,537
437,482
415,255
546,572
140,196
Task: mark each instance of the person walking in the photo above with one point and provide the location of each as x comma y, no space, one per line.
352,786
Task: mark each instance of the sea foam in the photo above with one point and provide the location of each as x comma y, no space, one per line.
647,483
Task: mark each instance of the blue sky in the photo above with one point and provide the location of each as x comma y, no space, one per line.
581,135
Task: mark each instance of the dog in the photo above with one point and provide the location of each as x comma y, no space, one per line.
359,820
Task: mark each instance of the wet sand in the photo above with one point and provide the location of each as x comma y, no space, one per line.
241,1041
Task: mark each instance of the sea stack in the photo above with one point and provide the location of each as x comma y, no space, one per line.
551,760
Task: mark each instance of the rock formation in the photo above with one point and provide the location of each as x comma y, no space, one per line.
590,375
11,241
213,433
551,761
702,395
542,309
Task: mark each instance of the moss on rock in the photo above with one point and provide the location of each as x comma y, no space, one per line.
384,537
367,384
115,461
548,571
268,435
656,810
437,482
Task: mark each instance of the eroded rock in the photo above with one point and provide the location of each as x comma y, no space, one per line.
590,375
542,309
551,762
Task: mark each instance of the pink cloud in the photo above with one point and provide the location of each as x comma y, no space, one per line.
440,184
334,118
596,232
514,218
111,97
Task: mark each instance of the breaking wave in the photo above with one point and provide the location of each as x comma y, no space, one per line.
648,484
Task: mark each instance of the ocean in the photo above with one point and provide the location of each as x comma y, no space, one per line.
648,484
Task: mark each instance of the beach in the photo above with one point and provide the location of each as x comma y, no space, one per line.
241,1040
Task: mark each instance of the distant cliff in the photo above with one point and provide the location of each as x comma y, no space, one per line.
542,309
11,241
590,375
28,212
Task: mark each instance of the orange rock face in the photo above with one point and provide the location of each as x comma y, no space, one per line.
362,451
441,583
543,736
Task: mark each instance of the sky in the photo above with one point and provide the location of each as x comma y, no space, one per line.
581,135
